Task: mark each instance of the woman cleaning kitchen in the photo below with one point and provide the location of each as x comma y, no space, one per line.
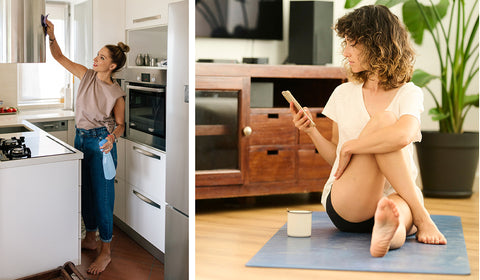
99,115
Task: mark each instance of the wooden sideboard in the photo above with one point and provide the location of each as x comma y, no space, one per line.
246,143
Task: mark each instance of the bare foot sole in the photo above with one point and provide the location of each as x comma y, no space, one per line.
89,244
386,224
99,265
428,233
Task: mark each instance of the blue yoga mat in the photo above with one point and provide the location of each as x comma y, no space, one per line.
330,249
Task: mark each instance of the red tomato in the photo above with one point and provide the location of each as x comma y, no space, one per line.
9,110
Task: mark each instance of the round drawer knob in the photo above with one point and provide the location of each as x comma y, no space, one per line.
247,131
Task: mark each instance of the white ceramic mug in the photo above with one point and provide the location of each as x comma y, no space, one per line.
299,223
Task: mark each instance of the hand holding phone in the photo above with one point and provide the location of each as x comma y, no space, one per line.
289,97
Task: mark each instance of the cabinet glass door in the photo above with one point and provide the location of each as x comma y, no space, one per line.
216,117
219,119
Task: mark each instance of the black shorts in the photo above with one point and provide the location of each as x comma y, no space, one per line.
344,225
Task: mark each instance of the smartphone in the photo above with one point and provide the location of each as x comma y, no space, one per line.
289,97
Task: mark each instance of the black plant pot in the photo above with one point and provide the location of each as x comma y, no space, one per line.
448,163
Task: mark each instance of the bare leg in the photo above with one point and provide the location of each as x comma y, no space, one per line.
90,241
102,260
367,173
393,166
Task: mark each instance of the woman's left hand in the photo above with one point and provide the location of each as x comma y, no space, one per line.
108,146
343,161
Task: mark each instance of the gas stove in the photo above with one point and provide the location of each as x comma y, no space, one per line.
14,148
20,147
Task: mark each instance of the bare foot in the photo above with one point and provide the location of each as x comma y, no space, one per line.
428,232
99,264
386,224
89,244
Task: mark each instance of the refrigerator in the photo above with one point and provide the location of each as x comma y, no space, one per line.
177,142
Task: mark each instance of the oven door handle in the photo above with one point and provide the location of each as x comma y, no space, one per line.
146,88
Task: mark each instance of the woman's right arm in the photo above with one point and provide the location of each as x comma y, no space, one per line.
327,149
76,69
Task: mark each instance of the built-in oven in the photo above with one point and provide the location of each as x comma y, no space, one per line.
145,106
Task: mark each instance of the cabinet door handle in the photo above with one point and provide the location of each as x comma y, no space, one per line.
137,20
145,153
247,131
147,200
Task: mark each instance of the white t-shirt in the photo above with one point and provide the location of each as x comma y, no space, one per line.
347,109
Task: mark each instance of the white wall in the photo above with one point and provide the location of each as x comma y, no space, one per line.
108,23
8,80
277,51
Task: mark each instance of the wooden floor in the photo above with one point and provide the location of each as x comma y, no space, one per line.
230,232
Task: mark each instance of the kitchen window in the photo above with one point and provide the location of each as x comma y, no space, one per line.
48,83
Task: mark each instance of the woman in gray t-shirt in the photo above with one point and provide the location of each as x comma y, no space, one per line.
99,114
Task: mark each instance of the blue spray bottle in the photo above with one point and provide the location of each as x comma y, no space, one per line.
108,165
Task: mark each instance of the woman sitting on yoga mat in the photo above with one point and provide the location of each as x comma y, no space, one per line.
376,119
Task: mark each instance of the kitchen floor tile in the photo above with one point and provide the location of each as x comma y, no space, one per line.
129,261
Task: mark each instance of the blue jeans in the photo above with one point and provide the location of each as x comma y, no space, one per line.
98,194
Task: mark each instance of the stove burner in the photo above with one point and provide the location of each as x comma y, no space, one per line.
14,148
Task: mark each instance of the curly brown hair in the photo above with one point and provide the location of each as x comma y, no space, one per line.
386,46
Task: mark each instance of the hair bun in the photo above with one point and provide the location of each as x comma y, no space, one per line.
125,48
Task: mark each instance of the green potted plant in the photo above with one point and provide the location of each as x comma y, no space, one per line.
448,158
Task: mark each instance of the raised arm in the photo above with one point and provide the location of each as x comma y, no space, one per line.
326,148
76,69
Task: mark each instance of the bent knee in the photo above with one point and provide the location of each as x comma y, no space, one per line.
383,119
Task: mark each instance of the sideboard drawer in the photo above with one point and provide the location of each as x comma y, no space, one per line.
311,165
272,126
324,125
270,164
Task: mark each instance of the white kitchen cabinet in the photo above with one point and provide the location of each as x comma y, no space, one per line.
39,221
145,13
145,169
119,209
121,158
146,217
120,204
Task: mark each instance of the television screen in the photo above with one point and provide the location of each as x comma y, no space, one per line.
247,19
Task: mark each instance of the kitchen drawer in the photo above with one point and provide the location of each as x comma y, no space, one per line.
146,216
120,204
311,165
324,125
145,169
272,126
267,164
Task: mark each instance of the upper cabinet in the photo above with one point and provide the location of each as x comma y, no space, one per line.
146,13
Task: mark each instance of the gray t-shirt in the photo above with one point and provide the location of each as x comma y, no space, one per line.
95,102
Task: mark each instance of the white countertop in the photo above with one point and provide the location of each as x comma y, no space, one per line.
39,115
24,118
